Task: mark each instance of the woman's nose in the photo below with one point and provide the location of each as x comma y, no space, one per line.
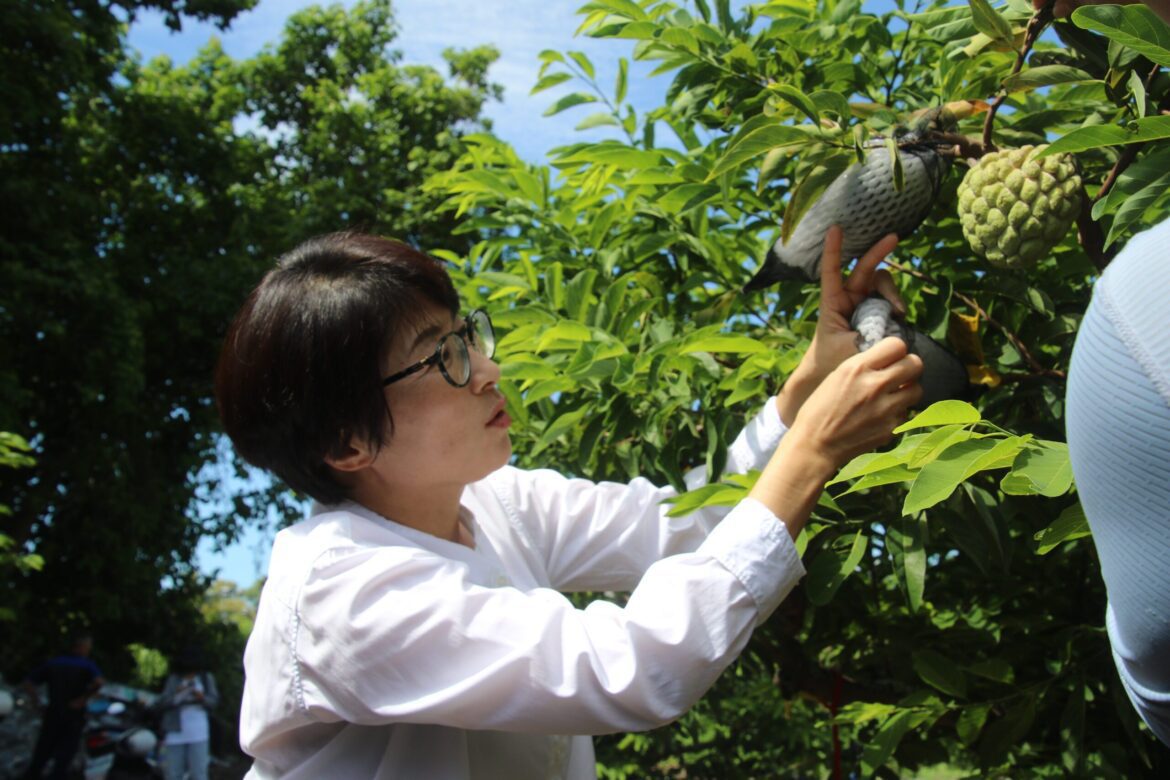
485,372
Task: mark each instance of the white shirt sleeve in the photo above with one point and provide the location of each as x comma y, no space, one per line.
400,634
604,536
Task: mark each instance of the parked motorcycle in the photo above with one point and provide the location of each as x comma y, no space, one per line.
118,742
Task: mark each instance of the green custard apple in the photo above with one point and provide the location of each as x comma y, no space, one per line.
1014,209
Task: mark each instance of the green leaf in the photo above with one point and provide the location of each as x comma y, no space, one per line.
1071,524
829,569
870,462
882,745
599,119
887,476
1135,26
810,188
970,722
554,285
1002,734
942,413
613,153
1150,128
708,495
1072,730
579,294
833,102
1046,76
627,8
896,170
741,57
910,535
583,63
859,712
994,669
522,367
740,345
563,331
935,442
753,139
1042,468
798,99
990,22
560,426
681,37
939,478
1138,187
550,81
569,101
939,672
623,77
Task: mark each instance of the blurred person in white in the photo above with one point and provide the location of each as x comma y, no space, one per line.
1117,417
189,694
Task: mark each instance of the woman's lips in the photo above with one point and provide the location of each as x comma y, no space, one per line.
500,419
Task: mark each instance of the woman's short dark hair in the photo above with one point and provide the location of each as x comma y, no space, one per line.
300,373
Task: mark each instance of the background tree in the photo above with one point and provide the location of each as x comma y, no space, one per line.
953,610
141,202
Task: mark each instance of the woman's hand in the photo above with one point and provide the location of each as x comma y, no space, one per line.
860,403
854,410
835,341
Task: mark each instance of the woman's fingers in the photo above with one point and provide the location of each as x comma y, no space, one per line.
907,370
883,354
862,280
883,284
831,263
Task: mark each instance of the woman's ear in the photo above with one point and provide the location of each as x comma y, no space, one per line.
356,456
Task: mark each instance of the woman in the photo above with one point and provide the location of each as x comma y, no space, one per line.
413,626
189,694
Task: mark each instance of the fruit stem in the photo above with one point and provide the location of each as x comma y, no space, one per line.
1036,25
962,146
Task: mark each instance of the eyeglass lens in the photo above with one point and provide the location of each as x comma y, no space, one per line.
483,338
453,351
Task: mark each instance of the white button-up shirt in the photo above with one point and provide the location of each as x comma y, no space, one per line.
380,651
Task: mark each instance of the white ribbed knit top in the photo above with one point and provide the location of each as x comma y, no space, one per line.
1118,425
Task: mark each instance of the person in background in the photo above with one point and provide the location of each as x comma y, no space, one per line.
71,679
1117,420
189,694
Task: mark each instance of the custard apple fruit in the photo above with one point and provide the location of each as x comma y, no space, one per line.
1014,210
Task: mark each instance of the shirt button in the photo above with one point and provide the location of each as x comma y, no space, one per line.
502,580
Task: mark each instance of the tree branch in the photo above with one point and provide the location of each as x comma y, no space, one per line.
1025,353
1036,25
1091,236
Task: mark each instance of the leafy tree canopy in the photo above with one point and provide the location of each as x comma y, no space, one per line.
952,613
142,200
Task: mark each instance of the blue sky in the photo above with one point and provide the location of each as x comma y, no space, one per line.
520,29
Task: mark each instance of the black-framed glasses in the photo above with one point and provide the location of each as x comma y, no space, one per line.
452,352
